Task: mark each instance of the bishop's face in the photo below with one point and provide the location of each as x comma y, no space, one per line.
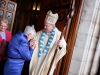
48,27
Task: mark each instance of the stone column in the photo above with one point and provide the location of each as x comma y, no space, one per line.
96,58
91,44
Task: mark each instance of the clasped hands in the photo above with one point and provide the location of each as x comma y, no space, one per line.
32,44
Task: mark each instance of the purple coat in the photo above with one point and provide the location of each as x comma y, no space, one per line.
18,52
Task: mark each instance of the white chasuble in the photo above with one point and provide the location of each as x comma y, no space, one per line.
40,65
42,58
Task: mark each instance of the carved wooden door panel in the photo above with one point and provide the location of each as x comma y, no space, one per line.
7,11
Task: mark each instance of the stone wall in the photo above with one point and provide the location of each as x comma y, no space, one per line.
87,22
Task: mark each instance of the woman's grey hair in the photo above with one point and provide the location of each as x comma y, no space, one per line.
30,29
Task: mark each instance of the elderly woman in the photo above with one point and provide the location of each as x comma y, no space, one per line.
5,37
19,50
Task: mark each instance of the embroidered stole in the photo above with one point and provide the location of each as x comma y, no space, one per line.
44,50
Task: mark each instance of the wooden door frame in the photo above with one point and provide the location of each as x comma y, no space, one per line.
65,64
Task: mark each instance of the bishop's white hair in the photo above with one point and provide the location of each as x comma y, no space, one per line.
30,29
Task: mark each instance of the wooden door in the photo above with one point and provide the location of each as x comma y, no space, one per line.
7,11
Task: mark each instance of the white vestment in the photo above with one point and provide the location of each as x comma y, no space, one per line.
40,65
